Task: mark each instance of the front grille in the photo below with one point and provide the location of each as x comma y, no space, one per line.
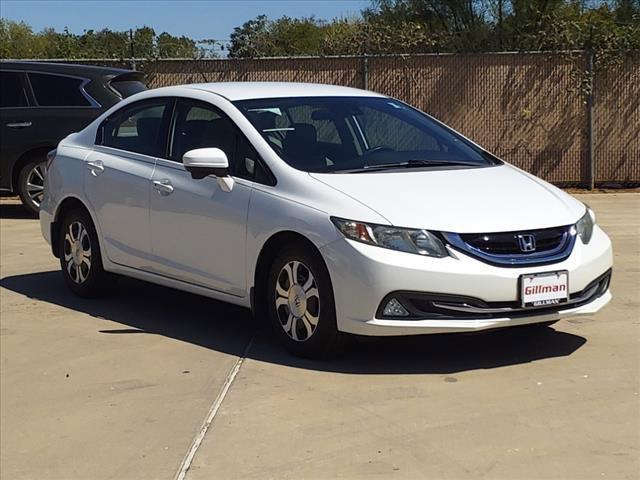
422,306
505,243
514,249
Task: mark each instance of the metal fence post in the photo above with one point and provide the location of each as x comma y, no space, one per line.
365,72
132,50
590,133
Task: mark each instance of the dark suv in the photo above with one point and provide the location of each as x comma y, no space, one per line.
40,104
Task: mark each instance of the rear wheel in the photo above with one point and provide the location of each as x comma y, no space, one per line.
80,257
31,184
301,304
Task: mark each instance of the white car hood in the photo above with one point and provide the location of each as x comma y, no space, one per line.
476,200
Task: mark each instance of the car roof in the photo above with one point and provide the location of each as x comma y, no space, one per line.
88,71
253,90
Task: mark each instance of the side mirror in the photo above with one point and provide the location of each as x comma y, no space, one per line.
202,162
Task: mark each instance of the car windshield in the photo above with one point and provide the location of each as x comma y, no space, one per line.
358,134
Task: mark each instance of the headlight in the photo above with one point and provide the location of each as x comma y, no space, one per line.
421,242
585,225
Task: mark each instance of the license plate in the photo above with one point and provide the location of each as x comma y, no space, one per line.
540,289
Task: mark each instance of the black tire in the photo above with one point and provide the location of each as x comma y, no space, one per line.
31,176
77,236
325,339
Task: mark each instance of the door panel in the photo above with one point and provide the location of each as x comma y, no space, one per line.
118,178
25,126
197,230
118,186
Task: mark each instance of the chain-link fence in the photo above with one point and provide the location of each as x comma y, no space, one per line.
535,110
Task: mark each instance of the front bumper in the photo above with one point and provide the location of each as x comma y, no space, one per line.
363,275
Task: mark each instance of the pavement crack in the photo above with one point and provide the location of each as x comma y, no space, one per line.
211,415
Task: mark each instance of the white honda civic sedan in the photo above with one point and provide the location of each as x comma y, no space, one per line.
326,210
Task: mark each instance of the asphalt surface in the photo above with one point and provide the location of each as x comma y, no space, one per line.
149,381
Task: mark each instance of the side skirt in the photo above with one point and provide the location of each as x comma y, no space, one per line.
177,284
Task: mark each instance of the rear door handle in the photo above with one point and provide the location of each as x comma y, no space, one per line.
19,125
96,167
163,187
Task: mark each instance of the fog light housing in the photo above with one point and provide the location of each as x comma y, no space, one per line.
394,308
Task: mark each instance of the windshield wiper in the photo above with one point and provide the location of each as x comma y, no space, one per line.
407,164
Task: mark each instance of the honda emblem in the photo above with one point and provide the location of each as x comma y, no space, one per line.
527,242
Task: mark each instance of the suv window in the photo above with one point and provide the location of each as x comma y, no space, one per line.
200,125
126,88
137,127
57,91
12,90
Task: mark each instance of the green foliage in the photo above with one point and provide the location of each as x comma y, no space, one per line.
285,36
423,26
17,40
608,27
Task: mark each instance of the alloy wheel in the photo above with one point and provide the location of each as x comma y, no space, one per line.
297,301
35,183
77,252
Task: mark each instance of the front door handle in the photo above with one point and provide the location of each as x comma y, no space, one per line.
163,187
19,125
96,167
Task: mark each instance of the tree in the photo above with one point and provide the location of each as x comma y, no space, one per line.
168,46
261,37
17,40
387,26
250,39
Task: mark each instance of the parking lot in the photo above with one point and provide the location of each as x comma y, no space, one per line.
150,381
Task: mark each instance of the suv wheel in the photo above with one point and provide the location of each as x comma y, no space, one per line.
80,257
301,304
31,184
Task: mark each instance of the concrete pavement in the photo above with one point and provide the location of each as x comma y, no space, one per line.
120,387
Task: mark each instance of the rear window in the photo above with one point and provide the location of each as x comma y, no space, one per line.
126,88
57,91
12,92
136,127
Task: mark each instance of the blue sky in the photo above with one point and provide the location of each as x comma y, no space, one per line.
196,19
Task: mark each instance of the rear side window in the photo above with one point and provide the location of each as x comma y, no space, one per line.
126,88
57,91
137,128
12,90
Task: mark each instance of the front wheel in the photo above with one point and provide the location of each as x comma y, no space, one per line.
301,305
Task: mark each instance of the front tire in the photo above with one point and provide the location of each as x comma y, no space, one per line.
301,304
31,184
80,257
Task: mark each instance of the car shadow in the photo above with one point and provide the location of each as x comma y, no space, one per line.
15,211
144,308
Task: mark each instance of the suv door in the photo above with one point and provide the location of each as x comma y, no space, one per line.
118,178
39,110
198,231
15,122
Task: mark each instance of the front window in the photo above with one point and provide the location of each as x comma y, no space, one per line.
201,125
358,134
